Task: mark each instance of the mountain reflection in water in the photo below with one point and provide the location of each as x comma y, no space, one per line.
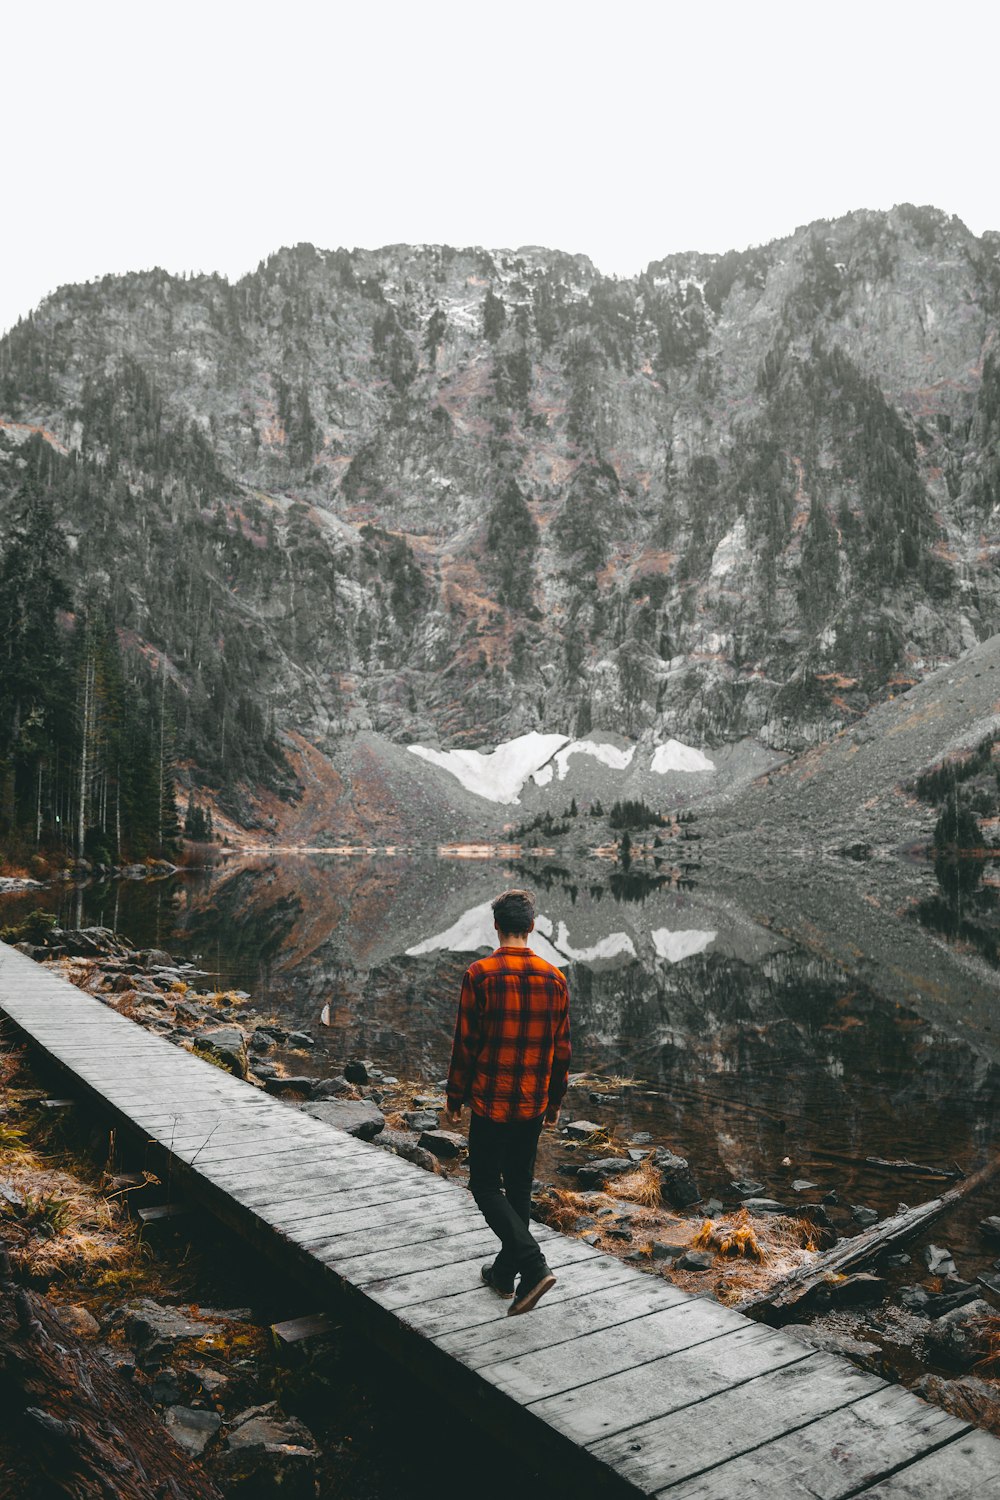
745,1049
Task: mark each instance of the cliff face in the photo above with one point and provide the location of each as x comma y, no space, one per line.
454,495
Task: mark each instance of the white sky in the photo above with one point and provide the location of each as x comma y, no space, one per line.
203,136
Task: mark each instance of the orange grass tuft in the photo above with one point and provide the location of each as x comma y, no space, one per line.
641,1186
732,1237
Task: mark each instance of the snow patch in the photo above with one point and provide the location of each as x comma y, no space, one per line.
673,756
474,930
543,776
496,775
609,755
675,946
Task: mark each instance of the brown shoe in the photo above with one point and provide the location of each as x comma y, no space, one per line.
506,1292
530,1296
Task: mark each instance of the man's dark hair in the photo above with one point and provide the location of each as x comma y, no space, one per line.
514,912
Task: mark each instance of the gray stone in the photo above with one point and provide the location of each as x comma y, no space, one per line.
228,1044
580,1130
356,1071
764,1206
443,1143
696,1260
79,1320
668,1252
155,958
426,1101
802,1185
939,1261
677,1181
192,1430
260,1042
267,1453
421,1119
295,1084
990,1283
896,1260
866,1217
955,1339
635,1155
745,1187
359,1117
300,1039
990,1228
642,1138
153,1330
832,1341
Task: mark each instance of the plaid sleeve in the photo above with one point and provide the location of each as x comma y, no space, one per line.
465,1048
561,1055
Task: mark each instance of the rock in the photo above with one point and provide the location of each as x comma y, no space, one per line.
939,1303
746,1188
581,1225
592,1238
300,1039
713,1208
276,1033
266,1453
155,958
78,1320
896,1260
939,1261
406,1146
956,1338
914,1298
264,1069
802,1185
190,1013
228,1044
356,1072
863,1216
831,1199
152,1330
677,1182
359,1117
989,1283
192,1430
990,1228
596,1172
668,1252
764,1206
331,1088
10,1195
260,1042
580,1130
421,1119
642,1138
635,1155
696,1260
970,1399
167,1388
619,1234
426,1101
443,1143
832,1341
389,1080
853,1291
290,1085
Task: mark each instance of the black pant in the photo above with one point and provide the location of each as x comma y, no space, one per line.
505,1153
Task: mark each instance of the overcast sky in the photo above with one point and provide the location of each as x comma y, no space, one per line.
203,136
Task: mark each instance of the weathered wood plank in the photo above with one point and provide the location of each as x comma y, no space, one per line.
554,1326
375,1265
444,1281
833,1457
675,1447
299,1226
634,1397
373,1219
966,1469
416,1229
581,1273
626,1346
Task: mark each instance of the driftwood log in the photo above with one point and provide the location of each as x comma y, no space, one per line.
882,1164
72,1426
860,1250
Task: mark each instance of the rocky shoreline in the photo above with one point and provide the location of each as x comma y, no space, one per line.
628,1195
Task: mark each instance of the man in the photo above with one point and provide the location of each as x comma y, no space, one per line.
510,1062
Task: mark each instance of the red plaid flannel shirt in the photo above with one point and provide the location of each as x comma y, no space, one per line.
511,1053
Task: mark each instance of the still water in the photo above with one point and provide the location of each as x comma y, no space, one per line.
736,1047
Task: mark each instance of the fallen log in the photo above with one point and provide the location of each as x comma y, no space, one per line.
72,1426
861,1249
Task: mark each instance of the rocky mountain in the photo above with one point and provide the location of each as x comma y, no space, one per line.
451,496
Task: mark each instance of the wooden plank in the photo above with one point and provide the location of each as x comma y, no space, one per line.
551,1327
413,1230
376,1265
444,1281
580,1275
297,1330
275,1195
242,1172
834,1457
967,1469
372,1219
626,1346
675,1447
634,1397
297,1226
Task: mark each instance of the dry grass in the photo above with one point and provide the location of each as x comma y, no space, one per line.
732,1237
62,1226
641,1186
989,1332
562,1208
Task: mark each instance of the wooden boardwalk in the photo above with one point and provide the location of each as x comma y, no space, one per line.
618,1379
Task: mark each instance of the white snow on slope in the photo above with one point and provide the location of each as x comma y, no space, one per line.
610,755
673,756
474,931
677,945
609,947
497,775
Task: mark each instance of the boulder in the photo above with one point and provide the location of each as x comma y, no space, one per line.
853,1291
332,1088
421,1119
192,1430
265,1453
300,1039
580,1130
596,1172
677,1185
295,1084
78,1320
865,1217
155,958
696,1260
228,1044
152,1330
939,1261
990,1229
356,1071
443,1143
359,1117
764,1206
956,1338
405,1144
260,1042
